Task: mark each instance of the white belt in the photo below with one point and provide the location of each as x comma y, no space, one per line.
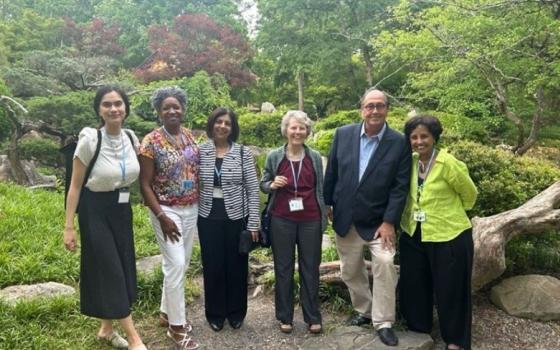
218,193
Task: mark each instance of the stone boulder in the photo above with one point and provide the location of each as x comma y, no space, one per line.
346,338
149,265
14,294
29,167
267,107
531,296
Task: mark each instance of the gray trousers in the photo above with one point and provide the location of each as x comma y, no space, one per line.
286,234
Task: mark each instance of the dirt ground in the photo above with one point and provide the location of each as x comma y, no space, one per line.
493,329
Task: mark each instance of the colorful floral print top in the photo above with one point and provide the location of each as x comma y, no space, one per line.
176,166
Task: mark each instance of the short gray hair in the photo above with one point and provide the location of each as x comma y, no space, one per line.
371,89
168,91
297,115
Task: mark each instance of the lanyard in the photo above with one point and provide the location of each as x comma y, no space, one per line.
296,178
218,174
122,161
173,140
420,188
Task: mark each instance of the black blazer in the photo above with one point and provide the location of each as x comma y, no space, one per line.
380,195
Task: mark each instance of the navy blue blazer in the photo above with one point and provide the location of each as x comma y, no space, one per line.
380,195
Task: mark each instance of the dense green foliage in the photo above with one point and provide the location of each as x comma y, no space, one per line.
31,247
504,181
261,129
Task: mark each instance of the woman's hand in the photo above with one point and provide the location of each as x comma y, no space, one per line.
169,229
69,239
279,182
255,235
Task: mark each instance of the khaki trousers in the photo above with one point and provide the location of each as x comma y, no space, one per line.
379,303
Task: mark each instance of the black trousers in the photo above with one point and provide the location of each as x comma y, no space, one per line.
443,269
224,269
286,234
108,264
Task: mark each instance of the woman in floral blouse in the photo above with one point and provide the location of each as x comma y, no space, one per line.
169,160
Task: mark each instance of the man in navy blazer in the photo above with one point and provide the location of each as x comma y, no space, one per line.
366,185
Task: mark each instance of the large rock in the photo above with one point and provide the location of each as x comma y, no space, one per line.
346,338
148,265
35,179
267,107
530,296
14,294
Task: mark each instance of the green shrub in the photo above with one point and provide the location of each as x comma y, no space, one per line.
43,150
534,254
31,248
262,130
504,181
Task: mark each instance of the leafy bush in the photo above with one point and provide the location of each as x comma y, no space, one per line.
31,248
69,112
533,253
261,130
43,150
338,119
504,181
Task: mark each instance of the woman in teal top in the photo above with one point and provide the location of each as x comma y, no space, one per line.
436,246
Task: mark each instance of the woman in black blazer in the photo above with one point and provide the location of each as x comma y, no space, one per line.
228,203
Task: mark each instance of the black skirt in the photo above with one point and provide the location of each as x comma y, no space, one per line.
108,265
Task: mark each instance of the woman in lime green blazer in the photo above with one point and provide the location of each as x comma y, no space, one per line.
436,246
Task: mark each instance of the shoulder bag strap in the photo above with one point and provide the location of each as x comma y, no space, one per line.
93,160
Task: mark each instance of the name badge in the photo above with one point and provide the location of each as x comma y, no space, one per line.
296,204
419,216
217,193
187,185
124,195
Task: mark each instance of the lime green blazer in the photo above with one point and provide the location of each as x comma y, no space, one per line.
447,193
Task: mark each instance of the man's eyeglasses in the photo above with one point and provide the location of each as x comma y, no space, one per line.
373,106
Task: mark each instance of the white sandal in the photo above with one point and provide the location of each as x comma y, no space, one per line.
114,339
187,343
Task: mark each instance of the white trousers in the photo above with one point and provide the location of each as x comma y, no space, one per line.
379,303
176,260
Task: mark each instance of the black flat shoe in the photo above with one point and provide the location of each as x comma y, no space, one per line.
358,320
216,326
387,336
235,324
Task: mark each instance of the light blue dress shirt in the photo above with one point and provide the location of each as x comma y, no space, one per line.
368,146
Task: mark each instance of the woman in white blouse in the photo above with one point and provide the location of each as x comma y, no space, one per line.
107,269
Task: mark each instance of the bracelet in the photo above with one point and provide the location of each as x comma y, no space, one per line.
160,214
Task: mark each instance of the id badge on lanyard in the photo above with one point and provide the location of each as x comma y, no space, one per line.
124,195
296,204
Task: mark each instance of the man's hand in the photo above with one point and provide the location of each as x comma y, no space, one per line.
330,213
387,234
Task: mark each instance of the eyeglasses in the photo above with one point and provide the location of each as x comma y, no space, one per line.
373,106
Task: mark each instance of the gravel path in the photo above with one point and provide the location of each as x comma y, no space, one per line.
493,329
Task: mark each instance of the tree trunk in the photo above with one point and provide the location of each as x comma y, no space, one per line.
300,79
491,234
535,125
369,64
18,173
